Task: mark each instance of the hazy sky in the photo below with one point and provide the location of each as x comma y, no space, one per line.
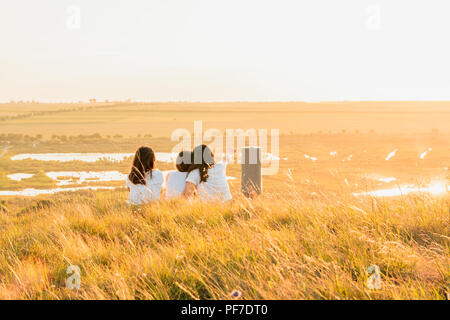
159,50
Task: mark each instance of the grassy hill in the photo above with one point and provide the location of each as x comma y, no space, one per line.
275,247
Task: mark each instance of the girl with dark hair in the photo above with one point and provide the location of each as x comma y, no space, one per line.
176,180
205,177
144,181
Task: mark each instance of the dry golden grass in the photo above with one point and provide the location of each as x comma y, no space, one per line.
287,244
160,119
296,247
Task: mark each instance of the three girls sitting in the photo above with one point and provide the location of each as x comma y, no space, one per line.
197,174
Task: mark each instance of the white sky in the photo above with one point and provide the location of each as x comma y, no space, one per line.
159,50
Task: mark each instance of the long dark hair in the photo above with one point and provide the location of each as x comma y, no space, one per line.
203,159
184,161
143,162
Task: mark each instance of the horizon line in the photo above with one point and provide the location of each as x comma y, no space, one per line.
104,101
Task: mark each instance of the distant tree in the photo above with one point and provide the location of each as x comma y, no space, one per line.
96,136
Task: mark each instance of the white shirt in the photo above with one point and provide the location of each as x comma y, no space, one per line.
216,187
175,184
140,193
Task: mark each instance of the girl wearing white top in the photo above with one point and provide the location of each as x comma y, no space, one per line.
144,181
176,180
207,178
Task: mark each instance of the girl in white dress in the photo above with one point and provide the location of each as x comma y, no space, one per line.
144,181
206,178
176,180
